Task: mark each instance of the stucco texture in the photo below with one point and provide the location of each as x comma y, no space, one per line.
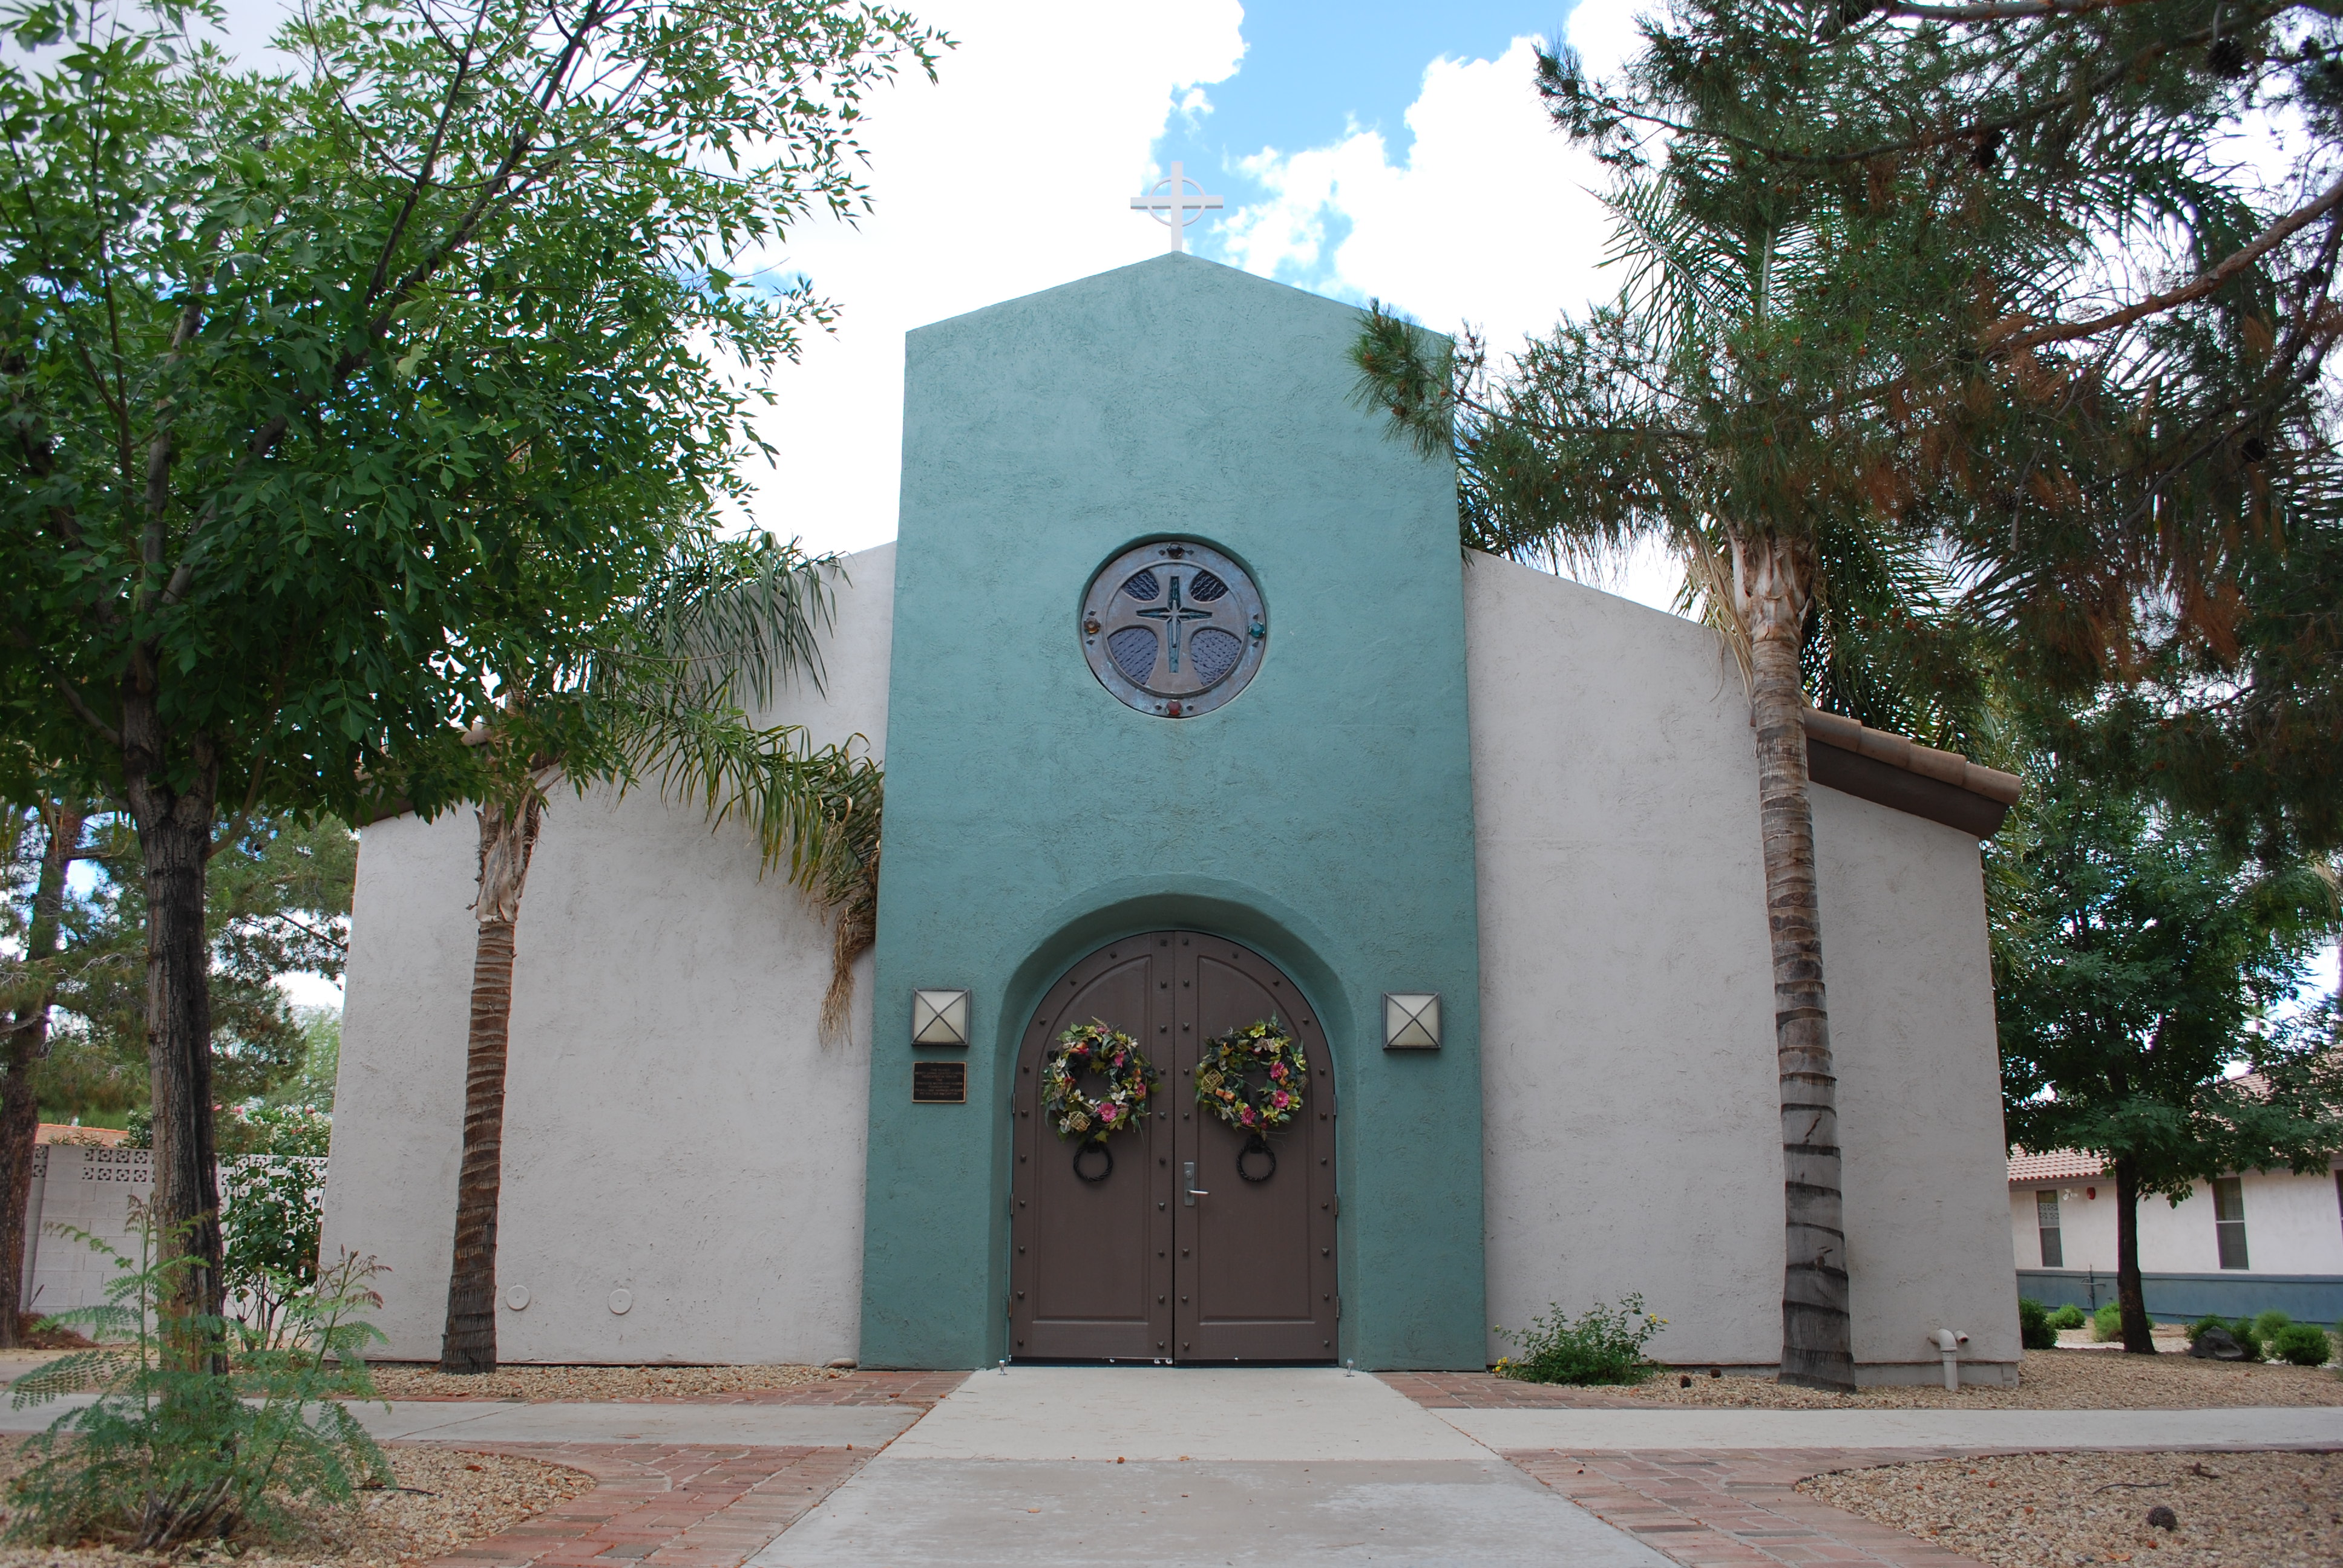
674,1127
1324,817
2294,1225
1633,1132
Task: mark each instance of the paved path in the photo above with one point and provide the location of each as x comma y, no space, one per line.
1049,1465
2317,1426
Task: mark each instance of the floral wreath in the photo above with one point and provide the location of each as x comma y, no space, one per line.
1225,1085
1115,1057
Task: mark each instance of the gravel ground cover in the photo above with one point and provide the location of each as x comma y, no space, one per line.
536,1384
445,1498
2053,1510
2048,1380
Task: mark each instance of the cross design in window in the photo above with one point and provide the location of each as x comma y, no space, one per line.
1172,615
1172,628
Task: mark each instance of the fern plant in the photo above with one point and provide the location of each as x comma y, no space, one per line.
170,1452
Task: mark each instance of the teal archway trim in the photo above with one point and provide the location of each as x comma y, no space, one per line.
1218,907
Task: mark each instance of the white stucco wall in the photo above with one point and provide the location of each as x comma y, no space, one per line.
674,1126
1632,1135
2294,1225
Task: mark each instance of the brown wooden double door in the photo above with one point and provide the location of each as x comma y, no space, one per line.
1175,1255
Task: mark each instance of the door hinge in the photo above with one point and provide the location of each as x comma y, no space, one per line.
1338,1205
1008,1307
1338,1309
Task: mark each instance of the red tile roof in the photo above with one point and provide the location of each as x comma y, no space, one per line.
99,1137
2058,1165
1945,767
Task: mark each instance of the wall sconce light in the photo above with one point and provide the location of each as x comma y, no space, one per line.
1410,1020
940,1018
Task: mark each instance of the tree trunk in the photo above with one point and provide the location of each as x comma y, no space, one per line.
508,839
2131,1296
173,793
27,1045
1771,590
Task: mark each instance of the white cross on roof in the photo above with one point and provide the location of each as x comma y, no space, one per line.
1168,202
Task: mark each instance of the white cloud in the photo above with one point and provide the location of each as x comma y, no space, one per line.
1012,175
1490,219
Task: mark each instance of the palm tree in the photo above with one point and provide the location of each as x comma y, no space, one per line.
661,697
1716,407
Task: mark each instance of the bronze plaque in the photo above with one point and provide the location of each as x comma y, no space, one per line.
940,1083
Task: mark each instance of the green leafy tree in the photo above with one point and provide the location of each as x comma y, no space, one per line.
2137,961
312,1088
2098,332
277,903
662,698
335,391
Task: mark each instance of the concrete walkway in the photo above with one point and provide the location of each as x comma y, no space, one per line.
1616,1430
1049,1465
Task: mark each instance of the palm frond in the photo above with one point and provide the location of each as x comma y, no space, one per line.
817,808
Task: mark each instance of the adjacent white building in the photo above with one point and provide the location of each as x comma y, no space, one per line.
2237,1245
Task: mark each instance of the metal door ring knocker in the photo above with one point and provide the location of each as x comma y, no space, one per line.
1104,1153
1253,1145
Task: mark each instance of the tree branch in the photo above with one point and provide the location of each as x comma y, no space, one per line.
2002,11
2203,283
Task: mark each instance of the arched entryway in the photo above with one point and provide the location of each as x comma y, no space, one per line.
1175,1255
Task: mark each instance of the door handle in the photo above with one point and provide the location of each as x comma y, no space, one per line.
1188,1180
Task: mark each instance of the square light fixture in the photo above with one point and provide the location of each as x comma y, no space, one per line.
1410,1020
940,1018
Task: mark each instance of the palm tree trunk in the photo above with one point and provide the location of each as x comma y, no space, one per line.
508,839
2131,1294
1771,590
27,1044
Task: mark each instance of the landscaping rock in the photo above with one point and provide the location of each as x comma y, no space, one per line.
2217,1344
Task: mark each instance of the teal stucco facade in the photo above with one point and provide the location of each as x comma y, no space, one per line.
1324,817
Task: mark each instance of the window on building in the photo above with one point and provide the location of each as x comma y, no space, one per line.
2045,1219
2229,1220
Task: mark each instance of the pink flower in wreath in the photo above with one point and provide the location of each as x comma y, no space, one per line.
1246,1116
1106,1114
1277,1070
1281,1099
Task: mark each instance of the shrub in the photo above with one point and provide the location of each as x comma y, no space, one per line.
2242,1331
2037,1327
2304,1344
1603,1345
2070,1316
2268,1326
2209,1321
2106,1324
270,1226
172,1453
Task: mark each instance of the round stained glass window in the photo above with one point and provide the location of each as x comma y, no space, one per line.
1173,628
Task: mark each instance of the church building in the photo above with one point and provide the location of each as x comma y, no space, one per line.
1203,737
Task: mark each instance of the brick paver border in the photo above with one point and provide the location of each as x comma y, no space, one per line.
671,1505
854,1388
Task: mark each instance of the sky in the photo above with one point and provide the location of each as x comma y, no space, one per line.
1364,151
